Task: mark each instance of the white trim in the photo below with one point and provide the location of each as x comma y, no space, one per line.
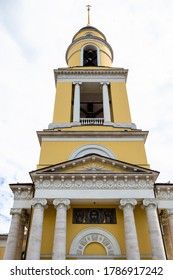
95,195
92,149
76,106
90,78
106,105
107,123
95,139
98,235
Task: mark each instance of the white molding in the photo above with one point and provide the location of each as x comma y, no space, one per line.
82,181
92,149
90,78
98,196
73,124
98,74
98,235
95,139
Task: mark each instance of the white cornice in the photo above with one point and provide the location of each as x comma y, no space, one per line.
98,74
74,124
48,135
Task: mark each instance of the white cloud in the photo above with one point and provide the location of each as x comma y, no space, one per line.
34,39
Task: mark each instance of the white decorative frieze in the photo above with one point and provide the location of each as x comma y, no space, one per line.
94,182
23,193
164,192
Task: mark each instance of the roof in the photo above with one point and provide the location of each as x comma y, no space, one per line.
89,28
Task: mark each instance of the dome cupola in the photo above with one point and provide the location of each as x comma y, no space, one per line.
89,48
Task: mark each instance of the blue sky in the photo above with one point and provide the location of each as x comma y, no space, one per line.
34,37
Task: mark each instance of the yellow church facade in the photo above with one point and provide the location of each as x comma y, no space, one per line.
93,194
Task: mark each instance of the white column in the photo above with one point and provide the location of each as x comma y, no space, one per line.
35,238
59,245
76,105
170,222
23,223
132,248
167,233
12,241
156,241
106,105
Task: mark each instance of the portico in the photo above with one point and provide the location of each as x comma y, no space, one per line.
54,188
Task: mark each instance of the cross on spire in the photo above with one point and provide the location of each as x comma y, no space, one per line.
88,9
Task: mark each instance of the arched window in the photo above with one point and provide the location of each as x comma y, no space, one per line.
92,149
94,235
90,55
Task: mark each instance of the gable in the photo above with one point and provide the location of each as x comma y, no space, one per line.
91,164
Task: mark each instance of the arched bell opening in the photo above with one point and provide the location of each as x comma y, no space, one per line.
90,55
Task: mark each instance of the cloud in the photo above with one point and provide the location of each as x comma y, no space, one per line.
6,201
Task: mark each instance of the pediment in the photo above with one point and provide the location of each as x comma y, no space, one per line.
93,164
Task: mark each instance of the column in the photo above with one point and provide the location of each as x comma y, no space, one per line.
59,245
106,105
132,248
35,238
76,105
164,216
12,241
156,241
23,223
170,222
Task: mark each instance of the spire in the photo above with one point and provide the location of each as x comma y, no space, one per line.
88,9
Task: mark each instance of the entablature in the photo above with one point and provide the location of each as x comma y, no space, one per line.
164,195
88,75
56,135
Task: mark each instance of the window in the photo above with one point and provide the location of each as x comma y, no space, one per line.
90,55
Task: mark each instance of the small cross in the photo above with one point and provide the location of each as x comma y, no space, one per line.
88,9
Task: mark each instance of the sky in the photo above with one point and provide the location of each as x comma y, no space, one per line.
34,36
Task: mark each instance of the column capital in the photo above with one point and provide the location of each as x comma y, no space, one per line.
17,211
150,203
36,202
57,202
105,83
77,83
127,203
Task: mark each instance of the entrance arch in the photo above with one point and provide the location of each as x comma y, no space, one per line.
98,235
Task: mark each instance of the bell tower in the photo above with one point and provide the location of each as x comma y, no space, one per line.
93,194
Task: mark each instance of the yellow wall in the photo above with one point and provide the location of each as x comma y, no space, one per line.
118,96
2,250
56,152
120,105
117,230
142,230
48,230
63,103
